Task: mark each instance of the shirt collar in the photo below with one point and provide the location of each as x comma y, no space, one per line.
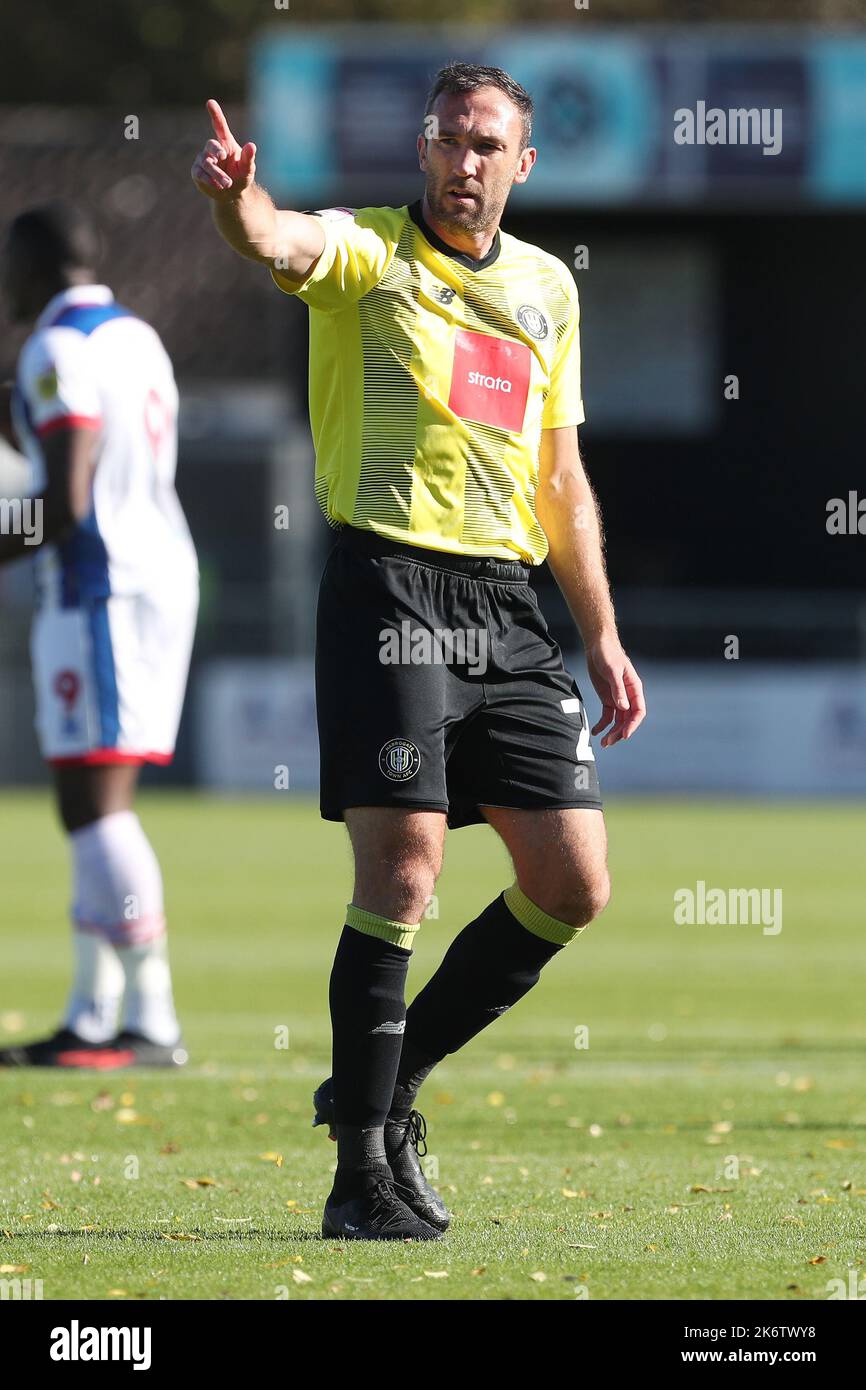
436,241
76,294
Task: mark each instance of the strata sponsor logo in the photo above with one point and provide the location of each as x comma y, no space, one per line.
421,646
490,379
492,383
77,1343
737,126
720,907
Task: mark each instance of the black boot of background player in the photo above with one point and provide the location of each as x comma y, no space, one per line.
66,1049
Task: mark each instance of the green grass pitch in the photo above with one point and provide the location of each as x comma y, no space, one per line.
708,1143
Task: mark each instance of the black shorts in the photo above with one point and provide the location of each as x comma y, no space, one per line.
439,687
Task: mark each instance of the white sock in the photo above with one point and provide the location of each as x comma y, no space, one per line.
97,988
119,896
148,1007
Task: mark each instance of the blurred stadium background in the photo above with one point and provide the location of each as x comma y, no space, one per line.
694,263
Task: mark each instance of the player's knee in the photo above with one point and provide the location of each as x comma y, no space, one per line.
413,881
593,897
399,888
575,900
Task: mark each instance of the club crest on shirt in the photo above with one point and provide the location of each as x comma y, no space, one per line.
399,760
532,320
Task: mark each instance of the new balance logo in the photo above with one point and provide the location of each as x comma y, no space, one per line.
390,1027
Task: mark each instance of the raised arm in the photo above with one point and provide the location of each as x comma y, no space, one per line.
243,212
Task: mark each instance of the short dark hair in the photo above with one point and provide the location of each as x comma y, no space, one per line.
468,77
56,236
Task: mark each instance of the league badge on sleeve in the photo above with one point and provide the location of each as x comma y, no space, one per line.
46,385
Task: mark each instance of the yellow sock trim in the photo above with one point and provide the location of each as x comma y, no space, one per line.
530,916
398,933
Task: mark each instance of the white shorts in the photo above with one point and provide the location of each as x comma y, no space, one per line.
110,677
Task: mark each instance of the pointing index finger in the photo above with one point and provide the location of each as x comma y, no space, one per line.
220,125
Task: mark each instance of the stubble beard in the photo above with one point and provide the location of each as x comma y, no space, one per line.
476,218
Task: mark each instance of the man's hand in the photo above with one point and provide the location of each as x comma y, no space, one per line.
243,213
223,169
619,688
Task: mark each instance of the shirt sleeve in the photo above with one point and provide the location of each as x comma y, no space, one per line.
564,404
356,254
57,382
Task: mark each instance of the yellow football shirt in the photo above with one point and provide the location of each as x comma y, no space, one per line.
432,376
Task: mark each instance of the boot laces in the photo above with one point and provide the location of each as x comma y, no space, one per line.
415,1134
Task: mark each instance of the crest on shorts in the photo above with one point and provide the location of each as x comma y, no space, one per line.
67,688
532,320
399,760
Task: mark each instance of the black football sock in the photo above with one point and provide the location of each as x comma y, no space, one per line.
368,1016
487,968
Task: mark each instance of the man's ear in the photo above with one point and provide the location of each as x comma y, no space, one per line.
527,159
422,152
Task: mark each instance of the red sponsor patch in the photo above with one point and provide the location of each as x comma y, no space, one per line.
490,380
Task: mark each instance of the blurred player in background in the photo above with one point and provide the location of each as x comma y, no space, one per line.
445,397
94,409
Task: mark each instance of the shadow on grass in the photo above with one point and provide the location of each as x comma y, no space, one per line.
192,1237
